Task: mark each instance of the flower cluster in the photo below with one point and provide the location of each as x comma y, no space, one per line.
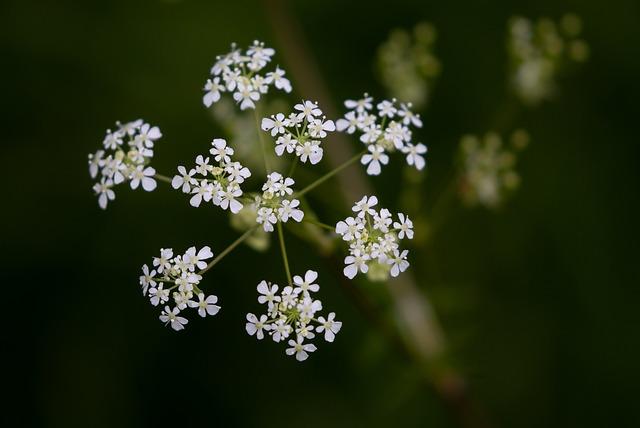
487,168
373,239
383,132
539,50
126,154
292,313
219,183
275,204
239,72
300,132
407,65
175,278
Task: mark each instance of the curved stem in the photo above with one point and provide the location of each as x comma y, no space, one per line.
330,174
227,250
284,252
319,224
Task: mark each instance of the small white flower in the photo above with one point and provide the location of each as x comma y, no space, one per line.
171,316
206,306
375,158
300,349
365,206
350,228
146,279
184,180
163,263
198,260
386,108
398,263
144,176
354,263
285,142
213,89
257,326
360,105
104,192
414,154
220,150
306,285
308,110
289,210
268,294
276,124
228,199
329,326
404,227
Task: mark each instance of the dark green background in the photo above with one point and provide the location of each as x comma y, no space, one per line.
539,301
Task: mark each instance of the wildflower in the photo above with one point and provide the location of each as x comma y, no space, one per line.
178,273
292,312
219,183
372,243
125,157
275,203
301,132
385,132
239,72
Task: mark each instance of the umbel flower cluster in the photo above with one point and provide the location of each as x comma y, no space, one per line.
487,167
125,155
175,279
173,282
292,314
276,205
539,51
373,239
300,132
383,131
218,183
406,63
238,72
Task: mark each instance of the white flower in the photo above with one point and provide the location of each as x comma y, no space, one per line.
184,180
414,154
318,128
329,326
228,199
163,263
205,305
202,165
201,191
289,210
127,153
220,150
257,326
266,218
308,110
398,263
268,294
354,263
104,192
349,123
213,89
277,78
386,108
306,285
374,159
146,279
365,206
350,228
276,124
300,349
171,316
245,96
360,105
404,226
408,117
198,260
285,142
144,176
310,150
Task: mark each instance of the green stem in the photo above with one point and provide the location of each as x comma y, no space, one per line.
284,253
162,178
319,224
330,174
260,137
227,250
293,167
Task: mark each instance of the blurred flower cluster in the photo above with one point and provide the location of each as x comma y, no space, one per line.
407,65
539,51
487,173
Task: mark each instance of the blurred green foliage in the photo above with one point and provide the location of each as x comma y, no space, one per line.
538,300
